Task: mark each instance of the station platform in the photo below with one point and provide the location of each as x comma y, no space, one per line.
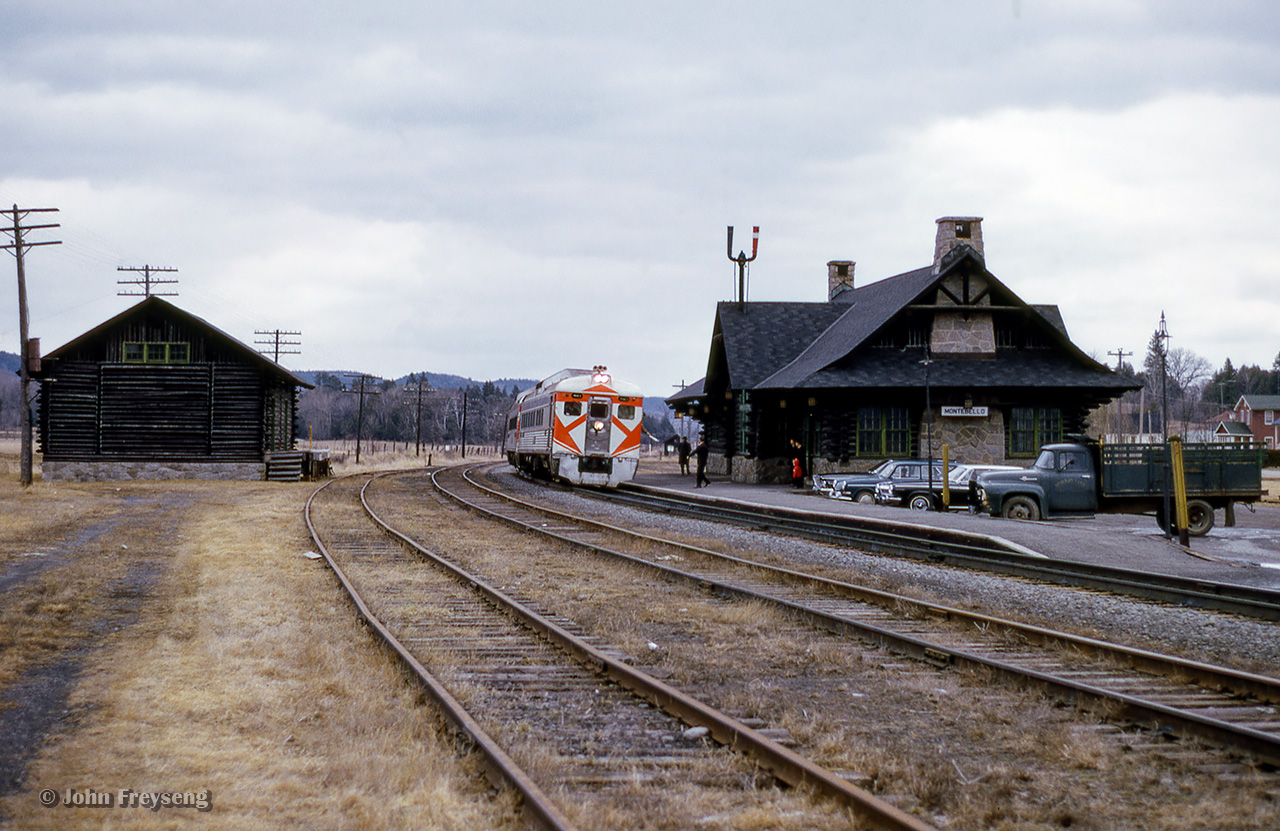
1248,554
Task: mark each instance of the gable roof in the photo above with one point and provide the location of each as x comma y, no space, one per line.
1259,402
158,305
757,338
1233,428
826,360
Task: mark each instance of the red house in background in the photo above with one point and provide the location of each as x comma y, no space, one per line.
1254,418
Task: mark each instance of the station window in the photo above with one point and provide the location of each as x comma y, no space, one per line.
1031,427
884,431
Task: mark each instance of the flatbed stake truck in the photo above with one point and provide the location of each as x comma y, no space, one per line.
1083,478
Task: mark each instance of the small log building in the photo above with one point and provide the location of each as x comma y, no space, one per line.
156,392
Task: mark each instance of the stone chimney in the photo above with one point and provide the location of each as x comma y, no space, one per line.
840,281
954,231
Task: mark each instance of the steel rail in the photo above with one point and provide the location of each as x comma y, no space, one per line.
499,767
1265,746
960,549
786,765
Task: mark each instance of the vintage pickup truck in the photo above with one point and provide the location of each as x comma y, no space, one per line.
1084,478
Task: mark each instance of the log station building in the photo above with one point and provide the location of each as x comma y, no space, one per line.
942,355
156,392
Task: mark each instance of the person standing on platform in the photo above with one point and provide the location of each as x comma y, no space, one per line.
682,450
701,452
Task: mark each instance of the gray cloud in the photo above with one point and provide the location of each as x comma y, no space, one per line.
436,187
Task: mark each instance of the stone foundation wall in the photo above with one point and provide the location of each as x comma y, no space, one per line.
124,471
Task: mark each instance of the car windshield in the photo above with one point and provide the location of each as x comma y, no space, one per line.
1044,461
882,469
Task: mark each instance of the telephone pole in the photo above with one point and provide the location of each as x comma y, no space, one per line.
1119,353
19,248
418,388
146,282
275,343
360,387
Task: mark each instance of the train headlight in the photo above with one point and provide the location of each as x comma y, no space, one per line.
597,426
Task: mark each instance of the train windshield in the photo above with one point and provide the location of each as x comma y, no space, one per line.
599,409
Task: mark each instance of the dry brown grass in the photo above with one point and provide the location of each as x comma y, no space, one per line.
247,675
960,746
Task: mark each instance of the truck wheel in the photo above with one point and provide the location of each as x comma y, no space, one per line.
1021,507
865,497
920,502
1199,517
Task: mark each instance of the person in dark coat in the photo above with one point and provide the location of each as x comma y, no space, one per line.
701,452
682,449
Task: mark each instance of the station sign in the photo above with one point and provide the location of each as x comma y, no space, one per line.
964,412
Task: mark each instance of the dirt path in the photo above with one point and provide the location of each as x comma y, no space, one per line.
64,588
172,638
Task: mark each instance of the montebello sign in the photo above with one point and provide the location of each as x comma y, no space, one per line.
964,412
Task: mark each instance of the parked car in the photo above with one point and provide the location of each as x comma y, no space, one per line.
830,484
923,495
861,487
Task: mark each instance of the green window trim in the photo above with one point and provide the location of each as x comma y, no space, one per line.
138,352
884,431
1031,427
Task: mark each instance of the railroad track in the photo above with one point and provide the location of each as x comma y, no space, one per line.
958,548
565,722
1171,696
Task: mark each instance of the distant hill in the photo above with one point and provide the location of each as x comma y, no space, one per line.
439,380
9,362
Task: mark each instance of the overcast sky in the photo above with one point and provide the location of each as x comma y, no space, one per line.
501,189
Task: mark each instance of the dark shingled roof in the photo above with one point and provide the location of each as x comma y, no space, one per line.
813,345
1233,428
763,336
1013,368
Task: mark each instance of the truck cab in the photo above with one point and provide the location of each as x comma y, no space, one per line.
1062,482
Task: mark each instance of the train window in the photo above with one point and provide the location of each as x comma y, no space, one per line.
626,411
573,408
598,409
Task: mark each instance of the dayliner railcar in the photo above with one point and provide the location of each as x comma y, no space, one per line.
578,425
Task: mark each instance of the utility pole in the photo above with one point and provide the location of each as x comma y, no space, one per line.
360,386
19,248
1162,335
1119,353
275,343
146,282
682,430
928,414
464,422
419,387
